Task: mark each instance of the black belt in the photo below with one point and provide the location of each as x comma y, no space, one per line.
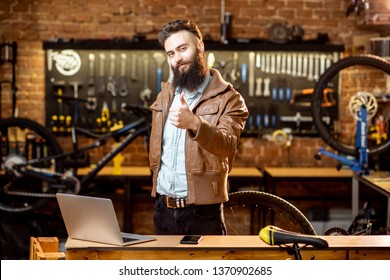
172,202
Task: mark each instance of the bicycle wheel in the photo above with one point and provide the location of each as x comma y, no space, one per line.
246,212
364,79
22,140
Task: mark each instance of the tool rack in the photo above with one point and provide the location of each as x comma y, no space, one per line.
276,81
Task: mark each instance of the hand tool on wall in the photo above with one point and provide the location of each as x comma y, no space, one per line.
299,64
272,113
328,101
116,122
75,106
146,93
267,67
278,63
91,103
328,61
294,64
283,63
104,121
316,74
272,63
244,72
211,60
299,118
281,93
310,69
111,84
304,66
322,64
266,120
133,67
267,91
287,90
123,91
274,93
251,77
102,75
288,64
258,91
159,58
258,60
262,61
235,73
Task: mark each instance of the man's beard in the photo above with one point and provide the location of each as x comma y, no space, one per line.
194,76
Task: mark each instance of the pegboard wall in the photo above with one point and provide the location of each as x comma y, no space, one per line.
276,81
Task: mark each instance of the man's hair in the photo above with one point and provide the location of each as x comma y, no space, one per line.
176,26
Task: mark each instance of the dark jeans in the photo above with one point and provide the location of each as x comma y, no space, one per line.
192,220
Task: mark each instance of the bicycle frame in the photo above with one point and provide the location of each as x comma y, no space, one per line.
130,132
135,129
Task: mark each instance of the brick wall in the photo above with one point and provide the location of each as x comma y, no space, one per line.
29,23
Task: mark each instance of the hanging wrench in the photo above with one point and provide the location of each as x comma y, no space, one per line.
146,93
160,59
123,91
91,103
258,87
111,85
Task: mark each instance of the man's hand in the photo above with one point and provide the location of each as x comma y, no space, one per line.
182,116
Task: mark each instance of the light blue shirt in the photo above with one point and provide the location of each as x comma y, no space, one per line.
172,178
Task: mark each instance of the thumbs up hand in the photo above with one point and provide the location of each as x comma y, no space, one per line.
183,100
182,116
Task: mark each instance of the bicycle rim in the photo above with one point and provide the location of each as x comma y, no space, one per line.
364,73
22,139
247,212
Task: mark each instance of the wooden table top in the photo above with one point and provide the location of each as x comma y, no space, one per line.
232,242
308,172
231,248
380,180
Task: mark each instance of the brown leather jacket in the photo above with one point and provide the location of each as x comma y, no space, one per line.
209,153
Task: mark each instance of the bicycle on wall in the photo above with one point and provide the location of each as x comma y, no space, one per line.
32,162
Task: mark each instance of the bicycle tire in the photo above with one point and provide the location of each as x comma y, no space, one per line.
264,209
317,97
22,202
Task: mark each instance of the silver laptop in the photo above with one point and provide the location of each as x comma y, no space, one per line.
94,219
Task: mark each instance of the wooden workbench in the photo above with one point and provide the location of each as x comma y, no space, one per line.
248,247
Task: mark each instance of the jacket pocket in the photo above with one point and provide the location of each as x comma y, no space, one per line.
209,184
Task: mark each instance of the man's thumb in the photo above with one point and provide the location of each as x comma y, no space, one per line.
182,99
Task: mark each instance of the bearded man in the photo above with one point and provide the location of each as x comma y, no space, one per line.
197,121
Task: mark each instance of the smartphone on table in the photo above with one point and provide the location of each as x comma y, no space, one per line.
191,239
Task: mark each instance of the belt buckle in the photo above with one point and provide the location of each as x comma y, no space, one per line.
175,202
170,202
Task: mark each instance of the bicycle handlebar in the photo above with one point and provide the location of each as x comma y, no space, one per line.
273,235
